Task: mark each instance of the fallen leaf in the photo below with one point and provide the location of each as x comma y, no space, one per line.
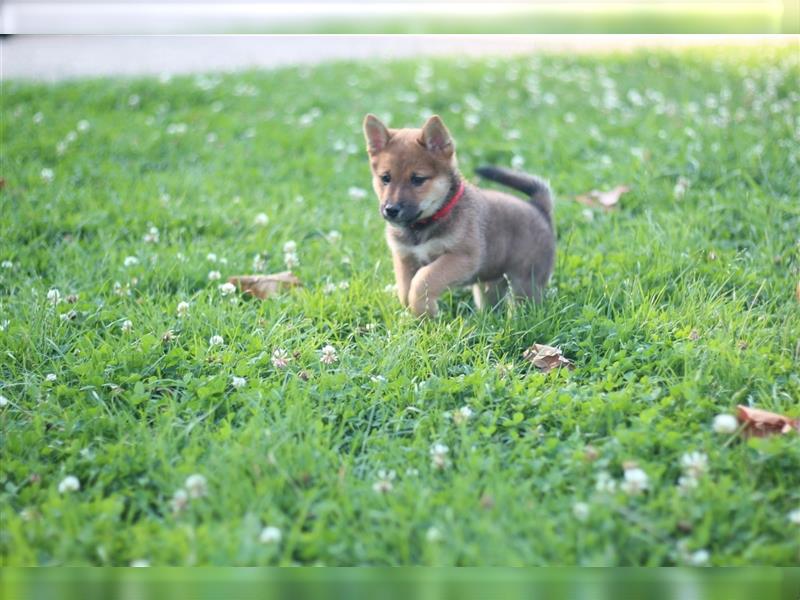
761,422
2,183
546,358
607,200
264,286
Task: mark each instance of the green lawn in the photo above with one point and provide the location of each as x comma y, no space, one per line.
675,308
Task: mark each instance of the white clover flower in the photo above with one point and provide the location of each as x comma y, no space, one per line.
259,263
214,275
270,535
130,261
699,558
196,486
329,288
183,309
725,424
605,483
4,324
133,100
462,415
433,535
687,483
289,247
261,219
69,484
333,236
356,193
216,340
226,289
471,120
179,502
390,288
384,483
291,260
517,161
140,563
679,191
54,296
51,377
280,358
38,118
127,325
152,236
439,454
177,128
581,511
328,355
794,516
83,125
47,175
211,257
3,401
344,285
694,464
7,264
635,481
238,382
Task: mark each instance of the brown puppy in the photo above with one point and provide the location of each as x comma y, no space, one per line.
444,232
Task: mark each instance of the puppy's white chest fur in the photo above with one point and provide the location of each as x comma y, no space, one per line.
426,252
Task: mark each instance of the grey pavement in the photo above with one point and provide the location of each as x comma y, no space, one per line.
57,57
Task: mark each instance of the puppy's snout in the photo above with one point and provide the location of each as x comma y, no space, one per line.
390,211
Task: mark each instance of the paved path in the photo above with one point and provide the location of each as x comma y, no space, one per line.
52,58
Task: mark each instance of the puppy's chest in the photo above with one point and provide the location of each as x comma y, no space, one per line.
424,252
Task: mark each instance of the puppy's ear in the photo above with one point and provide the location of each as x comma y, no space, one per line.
436,138
376,134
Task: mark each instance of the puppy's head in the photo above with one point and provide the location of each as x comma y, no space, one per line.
412,169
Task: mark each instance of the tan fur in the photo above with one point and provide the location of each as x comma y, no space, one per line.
489,240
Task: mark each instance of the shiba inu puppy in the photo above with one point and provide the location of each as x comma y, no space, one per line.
445,232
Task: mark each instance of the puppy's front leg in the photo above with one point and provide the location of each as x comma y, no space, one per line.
431,280
404,269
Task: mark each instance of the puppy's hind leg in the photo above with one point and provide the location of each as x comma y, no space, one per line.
488,294
523,287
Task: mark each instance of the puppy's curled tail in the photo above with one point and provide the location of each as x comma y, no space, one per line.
531,185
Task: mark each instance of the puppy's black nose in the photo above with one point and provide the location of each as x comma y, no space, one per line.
391,211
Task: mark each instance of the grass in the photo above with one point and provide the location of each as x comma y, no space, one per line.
675,310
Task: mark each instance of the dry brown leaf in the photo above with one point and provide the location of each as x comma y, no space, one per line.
761,422
607,200
264,286
546,358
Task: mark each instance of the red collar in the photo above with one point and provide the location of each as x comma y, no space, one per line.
444,210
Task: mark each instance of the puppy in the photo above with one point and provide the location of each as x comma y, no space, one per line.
444,232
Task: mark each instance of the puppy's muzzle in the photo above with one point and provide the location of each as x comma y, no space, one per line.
390,211
400,213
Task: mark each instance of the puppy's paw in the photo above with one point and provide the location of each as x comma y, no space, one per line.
424,307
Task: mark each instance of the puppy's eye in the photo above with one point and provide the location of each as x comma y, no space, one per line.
418,180
386,178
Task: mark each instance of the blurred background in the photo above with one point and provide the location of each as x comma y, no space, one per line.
406,16
47,39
